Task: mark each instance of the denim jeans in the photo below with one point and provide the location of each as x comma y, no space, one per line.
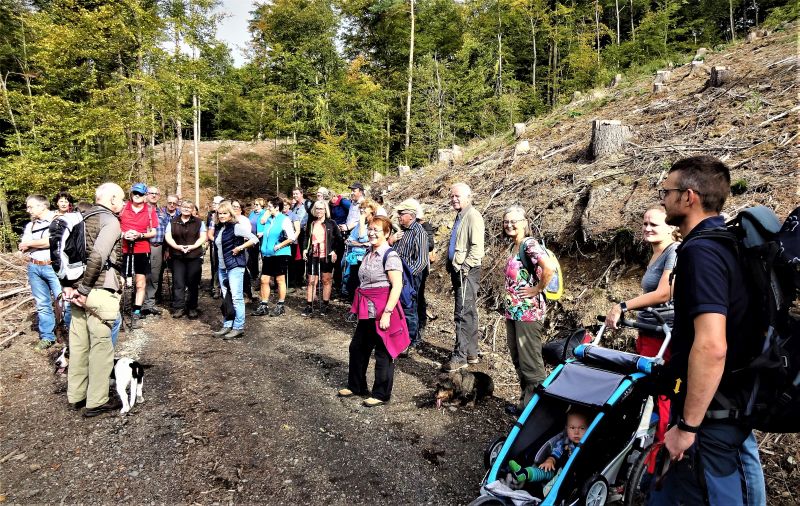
44,287
235,279
412,318
753,472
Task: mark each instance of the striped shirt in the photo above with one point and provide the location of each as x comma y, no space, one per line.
413,248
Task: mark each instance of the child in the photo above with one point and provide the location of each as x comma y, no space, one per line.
577,423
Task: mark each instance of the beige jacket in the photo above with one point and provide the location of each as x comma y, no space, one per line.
469,240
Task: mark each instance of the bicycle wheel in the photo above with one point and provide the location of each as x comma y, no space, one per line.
640,481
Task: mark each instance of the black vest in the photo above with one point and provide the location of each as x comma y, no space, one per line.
185,234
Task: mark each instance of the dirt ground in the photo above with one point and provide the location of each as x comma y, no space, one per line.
253,421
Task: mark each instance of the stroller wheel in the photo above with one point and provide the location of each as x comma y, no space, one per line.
595,491
492,451
488,500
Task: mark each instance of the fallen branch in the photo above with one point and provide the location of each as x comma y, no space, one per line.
545,157
779,116
15,306
14,292
3,345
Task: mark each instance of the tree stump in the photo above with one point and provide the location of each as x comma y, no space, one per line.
458,153
663,76
608,137
697,66
615,82
522,148
445,155
701,54
659,88
376,176
720,75
752,36
403,169
519,129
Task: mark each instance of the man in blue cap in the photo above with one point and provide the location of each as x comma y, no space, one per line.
139,223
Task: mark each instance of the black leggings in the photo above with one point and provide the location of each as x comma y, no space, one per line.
366,339
185,277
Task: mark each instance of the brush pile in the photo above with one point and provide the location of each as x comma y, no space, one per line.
16,301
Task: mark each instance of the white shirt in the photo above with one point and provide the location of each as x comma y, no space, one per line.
39,229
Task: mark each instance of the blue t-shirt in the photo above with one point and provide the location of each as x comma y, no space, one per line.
340,212
708,279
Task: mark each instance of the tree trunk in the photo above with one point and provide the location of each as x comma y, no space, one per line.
608,137
533,42
5,243
597,27
439,99
3,87
410,82
388,137
633,30
733,26
196,134
616,6
178,156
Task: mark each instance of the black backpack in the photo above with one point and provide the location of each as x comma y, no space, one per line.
409,292
768,255
68,245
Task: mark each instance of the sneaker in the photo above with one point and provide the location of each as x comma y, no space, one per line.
77,406
308,311
345,392
261,310
351,318
373,402
221,332
43,344
178,313
136,321
112,404
453,365
234,334
323,311
151,311
193,314
473,359
278,310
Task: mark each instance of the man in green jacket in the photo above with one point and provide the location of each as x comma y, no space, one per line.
464,256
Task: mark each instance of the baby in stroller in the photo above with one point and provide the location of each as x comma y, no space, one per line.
577,422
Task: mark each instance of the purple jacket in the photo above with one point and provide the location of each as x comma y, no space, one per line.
395,337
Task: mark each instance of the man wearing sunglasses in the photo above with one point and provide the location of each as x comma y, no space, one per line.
139,223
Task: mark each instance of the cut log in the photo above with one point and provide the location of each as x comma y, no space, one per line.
522,148
659,88
445,155
458,153
403,169
701,54
519,129
608,137
615,82
720,75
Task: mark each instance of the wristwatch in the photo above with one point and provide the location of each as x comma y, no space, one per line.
623,305
685,427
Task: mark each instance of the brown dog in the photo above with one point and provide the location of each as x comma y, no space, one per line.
463,387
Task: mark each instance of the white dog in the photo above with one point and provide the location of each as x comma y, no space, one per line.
128,373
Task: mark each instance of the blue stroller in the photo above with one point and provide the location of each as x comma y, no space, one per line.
610,461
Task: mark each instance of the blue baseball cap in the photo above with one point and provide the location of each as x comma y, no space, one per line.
139,188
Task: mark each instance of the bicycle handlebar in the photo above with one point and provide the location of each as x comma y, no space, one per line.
659,329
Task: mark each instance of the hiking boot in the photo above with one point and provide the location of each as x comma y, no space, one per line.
234,334
136,321
221,332
308,311
326,307
278,310
77,406
453,365
43,344
151,311
178,313
193,314
473,359
112,404
261,310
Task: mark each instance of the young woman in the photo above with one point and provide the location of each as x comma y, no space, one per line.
232,238
322,239
185,234
655,293
381,323
525,306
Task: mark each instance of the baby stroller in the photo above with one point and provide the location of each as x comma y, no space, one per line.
611,461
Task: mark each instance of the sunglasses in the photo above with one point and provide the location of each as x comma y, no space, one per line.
137,194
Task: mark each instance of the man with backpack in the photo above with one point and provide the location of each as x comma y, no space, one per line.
709,343
464,255
95,300
139,224
411,243
35,245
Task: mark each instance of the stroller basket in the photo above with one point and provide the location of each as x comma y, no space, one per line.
618,361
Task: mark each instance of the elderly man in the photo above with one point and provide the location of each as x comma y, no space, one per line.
464,254
95,307
139,224
411,243
35,245
165,215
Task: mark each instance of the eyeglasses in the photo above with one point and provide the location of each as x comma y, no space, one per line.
376,230
171,203
154,193
137,194
401,213
511,222
236,206
663,192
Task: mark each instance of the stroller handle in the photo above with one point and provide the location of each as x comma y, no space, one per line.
662,329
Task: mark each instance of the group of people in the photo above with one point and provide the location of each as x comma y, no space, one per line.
348,247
